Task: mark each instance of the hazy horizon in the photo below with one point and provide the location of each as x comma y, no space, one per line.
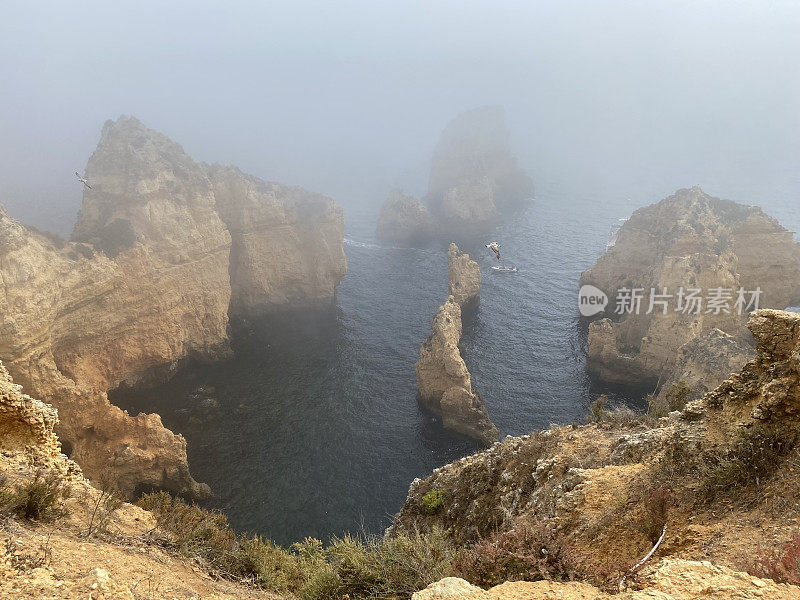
349,98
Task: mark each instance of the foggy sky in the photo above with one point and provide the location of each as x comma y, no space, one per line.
348,98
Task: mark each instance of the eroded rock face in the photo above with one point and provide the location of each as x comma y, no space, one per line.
475,178
689,240
145,284
705,362
287,247
404,220
464,279
443,381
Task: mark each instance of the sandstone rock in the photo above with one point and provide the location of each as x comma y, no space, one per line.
146,285
287,243
464,279
404,220
443,381
450,588
689,240
705,362
474,177
669,580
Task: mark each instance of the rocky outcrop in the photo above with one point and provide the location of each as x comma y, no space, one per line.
464,279
475,178
669,580
443,381
404,220
146,284
718,474
687,241
703,363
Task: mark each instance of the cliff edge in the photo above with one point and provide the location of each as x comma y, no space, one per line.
164,250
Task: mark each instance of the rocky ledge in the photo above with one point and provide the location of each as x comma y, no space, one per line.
164,252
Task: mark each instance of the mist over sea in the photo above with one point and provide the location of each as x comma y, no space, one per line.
317,431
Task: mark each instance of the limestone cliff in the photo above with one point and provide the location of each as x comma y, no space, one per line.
464,279
687,241
287,245
92,545
443,381
404,220
475,178
145,284
719,476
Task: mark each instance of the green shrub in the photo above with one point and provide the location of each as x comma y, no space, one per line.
267,565
530,551
433,501
597,409
678,395
360,567
38,499
747,462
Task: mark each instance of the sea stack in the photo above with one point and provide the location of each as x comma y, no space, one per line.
443,381
475,180
474,184
464,279
688,241
404,220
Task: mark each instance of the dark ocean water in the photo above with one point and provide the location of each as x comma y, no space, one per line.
317,430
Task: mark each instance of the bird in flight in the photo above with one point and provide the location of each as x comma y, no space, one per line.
82,180
494,247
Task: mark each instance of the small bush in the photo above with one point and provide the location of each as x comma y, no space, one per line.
195,531
39,499
528,552
749,461
656,508
678,395
433,501
267,565
597,409
782,566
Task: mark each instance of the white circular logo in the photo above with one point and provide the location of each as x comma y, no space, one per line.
591,300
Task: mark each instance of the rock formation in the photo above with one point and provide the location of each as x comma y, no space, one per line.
703,363
475,182
464,279
145,284
404,220
443,381
84,549
287,245
687,241
719,475
475,178
670,580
